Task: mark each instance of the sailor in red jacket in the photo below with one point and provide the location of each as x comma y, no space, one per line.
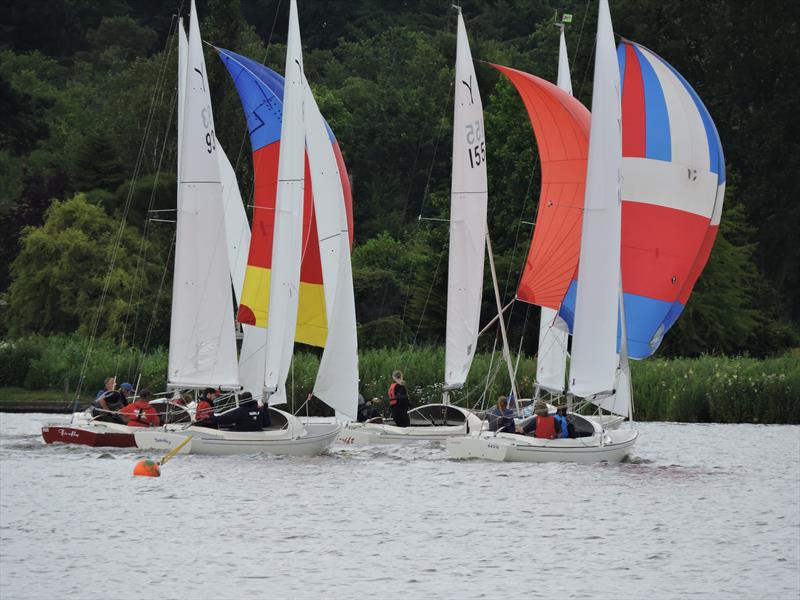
543,425
140,413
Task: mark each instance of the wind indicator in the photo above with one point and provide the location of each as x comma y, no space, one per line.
152,468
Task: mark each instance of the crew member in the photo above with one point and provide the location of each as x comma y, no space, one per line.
542,425
139,413
248,416
398,400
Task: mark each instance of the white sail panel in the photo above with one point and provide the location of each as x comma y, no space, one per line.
564,80
467,219
237,228
551,361
202,348
287,240
337,378
594,355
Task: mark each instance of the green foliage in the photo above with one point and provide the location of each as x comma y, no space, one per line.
61,271
45,362
92,109
705,389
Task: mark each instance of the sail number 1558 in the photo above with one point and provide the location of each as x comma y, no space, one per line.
476,147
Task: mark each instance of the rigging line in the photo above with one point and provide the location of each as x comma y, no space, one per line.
410,277
252,190
148,124
428,297
433,159
589,62
147,228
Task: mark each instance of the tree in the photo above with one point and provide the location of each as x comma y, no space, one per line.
59,277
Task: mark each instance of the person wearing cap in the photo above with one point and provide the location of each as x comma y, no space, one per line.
501,418
139,413
543,425
109,402
398,400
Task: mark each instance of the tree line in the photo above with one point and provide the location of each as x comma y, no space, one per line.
88,150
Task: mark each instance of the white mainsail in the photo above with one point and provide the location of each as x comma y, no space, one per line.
337,378
467,219
551,361
287,240
202,348
594,354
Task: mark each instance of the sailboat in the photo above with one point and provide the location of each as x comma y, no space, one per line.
672,188
468,230
594,364
302,129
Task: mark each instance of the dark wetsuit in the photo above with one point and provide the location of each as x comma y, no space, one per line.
245,417
400,406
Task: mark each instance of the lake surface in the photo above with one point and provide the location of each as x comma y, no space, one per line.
701,511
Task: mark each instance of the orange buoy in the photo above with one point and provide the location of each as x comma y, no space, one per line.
147,468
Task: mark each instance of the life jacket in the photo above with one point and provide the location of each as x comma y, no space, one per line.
392,398
140,414
204,410
563,421
545,427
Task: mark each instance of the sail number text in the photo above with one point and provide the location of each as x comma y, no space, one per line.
476,146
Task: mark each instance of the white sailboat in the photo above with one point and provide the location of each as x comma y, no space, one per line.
437,422
551,363
302,127
594,365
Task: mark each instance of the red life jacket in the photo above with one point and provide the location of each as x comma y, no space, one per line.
140,414
204,410
392,398
545,427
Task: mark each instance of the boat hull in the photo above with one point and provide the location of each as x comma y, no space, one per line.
611,446
90,434
313,441
373,433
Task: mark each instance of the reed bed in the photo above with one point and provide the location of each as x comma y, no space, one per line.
706,389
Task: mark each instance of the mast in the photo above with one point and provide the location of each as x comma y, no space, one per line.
202,351
506,351
551,362
594,340
468,199
288,237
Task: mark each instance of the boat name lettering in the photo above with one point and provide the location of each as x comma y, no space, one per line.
65,433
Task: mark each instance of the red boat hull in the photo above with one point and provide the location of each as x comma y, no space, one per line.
54,434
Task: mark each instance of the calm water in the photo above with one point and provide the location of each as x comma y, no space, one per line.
706,511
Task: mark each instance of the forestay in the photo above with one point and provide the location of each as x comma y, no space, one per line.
288,235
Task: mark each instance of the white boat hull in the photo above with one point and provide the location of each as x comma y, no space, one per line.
375,433
313,441
429,423
610,446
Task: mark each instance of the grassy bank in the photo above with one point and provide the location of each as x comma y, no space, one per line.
707,389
